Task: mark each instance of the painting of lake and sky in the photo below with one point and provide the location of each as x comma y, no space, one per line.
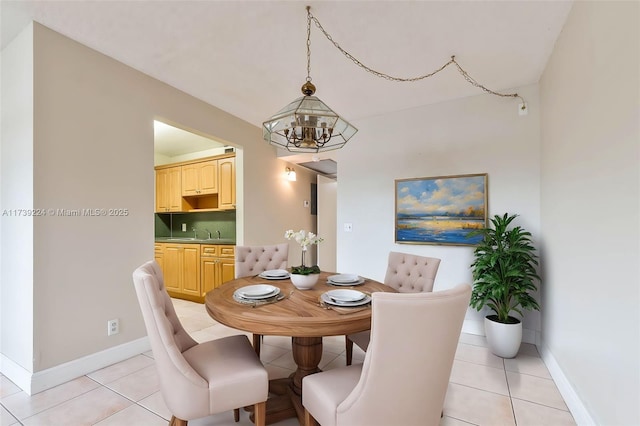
441,210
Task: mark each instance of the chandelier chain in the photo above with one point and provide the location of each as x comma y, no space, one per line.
308,43
465,74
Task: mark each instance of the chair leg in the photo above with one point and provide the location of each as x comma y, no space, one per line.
236,415
260,413
177,422
348,343
308,419
256,343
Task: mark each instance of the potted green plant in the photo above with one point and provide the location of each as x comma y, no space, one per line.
504,275
304,277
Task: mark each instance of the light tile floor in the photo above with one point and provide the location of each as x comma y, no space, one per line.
483,390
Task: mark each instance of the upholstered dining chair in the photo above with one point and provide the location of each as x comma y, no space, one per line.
253,260
406,370
407,273
197,379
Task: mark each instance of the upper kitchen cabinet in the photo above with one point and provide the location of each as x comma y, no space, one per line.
169,190
227,183
200,185
200,178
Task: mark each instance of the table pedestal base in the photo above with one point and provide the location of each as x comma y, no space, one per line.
286,394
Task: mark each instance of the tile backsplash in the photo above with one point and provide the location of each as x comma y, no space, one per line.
170,224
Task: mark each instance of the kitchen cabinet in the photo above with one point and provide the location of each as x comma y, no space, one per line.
200,178
169,190
181,270
227,183
218,266
197,185
158,254
191,270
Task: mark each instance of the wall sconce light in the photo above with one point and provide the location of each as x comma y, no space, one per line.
290,174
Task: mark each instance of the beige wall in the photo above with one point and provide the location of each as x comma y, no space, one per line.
590,208
480,134
93,148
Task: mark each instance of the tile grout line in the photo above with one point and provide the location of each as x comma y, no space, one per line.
55,405
506,379
129,399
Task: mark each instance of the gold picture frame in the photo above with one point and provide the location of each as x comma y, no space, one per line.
441,210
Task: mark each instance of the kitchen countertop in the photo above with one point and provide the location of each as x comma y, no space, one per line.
187,240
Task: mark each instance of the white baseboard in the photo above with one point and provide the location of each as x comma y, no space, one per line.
15,372
575,405
33,383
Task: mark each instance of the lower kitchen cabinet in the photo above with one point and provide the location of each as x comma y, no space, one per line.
181,270
191,270
158,254
217,266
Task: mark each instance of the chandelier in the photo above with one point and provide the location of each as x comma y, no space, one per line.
307,124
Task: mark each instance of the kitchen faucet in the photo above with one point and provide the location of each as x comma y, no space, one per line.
208,234
218,231
195,233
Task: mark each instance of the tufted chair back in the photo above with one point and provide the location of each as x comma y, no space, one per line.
167,337
409,273
405,374
253,260
197,379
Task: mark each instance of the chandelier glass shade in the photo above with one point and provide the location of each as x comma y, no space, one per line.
307,125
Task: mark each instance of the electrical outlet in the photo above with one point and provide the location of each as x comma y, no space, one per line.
113,327
184,227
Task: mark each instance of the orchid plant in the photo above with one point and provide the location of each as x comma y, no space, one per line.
305,239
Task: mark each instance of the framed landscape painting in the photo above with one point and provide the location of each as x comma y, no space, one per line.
441,209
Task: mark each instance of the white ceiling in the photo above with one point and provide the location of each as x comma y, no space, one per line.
249,57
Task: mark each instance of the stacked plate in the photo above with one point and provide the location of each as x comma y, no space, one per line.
345,297
345,279
256,293
275,274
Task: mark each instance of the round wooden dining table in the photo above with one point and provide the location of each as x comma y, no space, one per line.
299,315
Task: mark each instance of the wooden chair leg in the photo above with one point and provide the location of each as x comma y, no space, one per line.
260,413
308,419
236,415
348,343
256,343
177,422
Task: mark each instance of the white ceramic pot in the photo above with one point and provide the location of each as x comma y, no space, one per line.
503,339
304,282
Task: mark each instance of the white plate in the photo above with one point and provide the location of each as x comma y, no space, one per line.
345,295
360,281
275,274
344,278
257,292
326,299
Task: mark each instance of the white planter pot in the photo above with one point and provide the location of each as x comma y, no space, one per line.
304,282
503,339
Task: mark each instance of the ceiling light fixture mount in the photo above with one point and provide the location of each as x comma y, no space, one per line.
307,124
